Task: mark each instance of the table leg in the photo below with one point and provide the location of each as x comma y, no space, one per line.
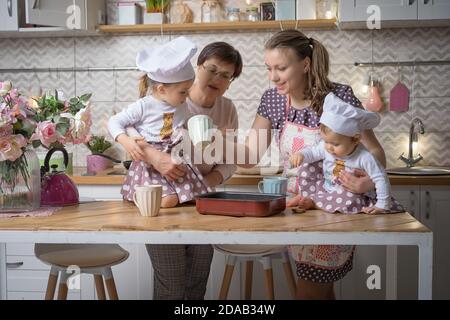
426,269
391,272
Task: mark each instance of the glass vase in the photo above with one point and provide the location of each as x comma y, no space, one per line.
20,183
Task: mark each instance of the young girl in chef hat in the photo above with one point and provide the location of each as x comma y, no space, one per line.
341,126
157,118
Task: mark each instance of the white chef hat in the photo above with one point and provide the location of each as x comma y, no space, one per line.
170,62
345,119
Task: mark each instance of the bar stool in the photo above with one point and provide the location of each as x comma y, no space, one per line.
96,259
249,253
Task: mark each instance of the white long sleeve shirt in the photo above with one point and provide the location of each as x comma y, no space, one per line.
153,119
361,158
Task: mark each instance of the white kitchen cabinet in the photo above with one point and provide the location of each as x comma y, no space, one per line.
9,15
70,14
414,11
356,10
435,214
434,9
431,206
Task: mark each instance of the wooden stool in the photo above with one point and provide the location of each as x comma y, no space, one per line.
96,259
263,254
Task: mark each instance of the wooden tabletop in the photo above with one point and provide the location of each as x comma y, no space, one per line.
124,216
115,176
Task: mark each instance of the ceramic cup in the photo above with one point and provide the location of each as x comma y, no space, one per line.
199,128
148,199
275,185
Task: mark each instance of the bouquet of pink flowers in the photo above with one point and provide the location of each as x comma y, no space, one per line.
53,123
62,122
17,122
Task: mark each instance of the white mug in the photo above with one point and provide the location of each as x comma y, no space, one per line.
148,199
199,128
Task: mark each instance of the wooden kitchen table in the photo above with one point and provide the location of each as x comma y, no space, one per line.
120,222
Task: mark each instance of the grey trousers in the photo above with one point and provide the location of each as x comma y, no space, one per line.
181,271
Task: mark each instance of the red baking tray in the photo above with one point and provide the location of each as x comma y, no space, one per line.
239,204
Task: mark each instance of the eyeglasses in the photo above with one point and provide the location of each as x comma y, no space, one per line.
212,71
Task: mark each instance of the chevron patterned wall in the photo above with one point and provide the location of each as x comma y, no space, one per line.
112,91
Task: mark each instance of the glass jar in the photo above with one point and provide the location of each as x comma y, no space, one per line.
211,11
326,9
20,183
233,14
252,14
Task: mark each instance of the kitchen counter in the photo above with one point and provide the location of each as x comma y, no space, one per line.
115,176
120,222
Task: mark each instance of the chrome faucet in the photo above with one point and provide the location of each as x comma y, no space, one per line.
411,161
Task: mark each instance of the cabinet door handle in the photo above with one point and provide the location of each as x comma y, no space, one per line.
427,205
14,265
9,4
411,2
36,4
425,2
413,202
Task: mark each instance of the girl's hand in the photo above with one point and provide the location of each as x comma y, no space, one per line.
373,210
358,182
131,146
296,159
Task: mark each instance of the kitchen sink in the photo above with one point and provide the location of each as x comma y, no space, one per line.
420,171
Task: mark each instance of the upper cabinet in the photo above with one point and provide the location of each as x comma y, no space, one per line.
434,9
357,10
9,15
70,14
394,10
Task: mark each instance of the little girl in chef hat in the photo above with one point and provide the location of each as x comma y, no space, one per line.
341,126
156,117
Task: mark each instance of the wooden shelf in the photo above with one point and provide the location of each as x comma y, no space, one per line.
241,25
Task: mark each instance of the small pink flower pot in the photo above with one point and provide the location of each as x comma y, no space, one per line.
96,164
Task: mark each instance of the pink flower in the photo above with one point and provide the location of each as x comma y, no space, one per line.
80,125
46,133
11,147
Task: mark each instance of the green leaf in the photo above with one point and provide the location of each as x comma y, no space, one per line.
62,128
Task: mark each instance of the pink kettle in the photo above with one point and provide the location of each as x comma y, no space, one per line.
57,189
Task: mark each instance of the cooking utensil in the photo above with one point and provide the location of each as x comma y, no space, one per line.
57,189
399,97
125,163
240,204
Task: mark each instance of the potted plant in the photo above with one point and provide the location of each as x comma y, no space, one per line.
155,11
95,162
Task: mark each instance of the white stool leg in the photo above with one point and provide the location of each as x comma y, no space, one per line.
51,285
228,274
268,275
110,284
289,275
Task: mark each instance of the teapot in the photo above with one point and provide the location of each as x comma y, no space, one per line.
57,189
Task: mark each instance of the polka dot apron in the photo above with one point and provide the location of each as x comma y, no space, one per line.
186,187
293,138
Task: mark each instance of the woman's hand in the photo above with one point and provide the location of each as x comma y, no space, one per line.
131,146
162,162
212,179
358,182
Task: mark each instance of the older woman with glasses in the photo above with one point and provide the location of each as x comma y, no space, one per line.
181,271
